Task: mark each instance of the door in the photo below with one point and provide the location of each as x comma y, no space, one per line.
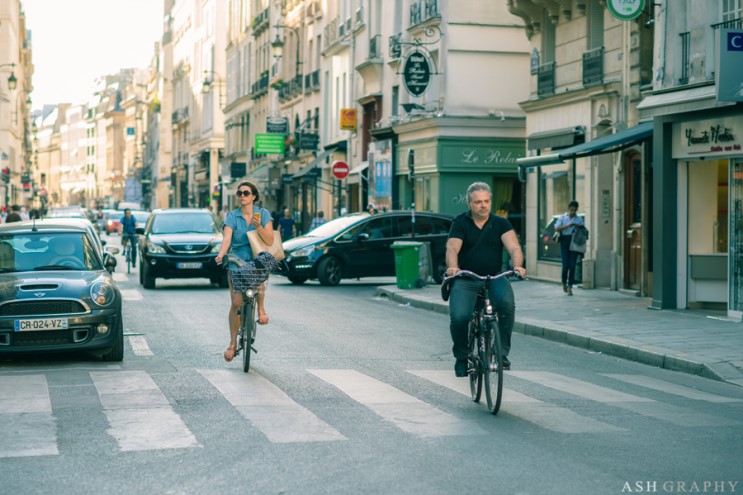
632,221
735,263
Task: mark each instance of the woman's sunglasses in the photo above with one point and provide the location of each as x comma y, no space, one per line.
243,193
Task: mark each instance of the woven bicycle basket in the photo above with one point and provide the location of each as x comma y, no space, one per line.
253,273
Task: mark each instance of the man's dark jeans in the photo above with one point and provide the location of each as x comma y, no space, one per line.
462,303
569,259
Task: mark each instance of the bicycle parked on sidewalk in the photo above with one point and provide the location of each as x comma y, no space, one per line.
247,279
484,343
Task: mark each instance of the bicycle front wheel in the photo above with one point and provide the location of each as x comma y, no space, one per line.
475,375
493,368
247,331
128,254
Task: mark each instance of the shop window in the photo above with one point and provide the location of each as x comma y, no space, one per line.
708,207
558,185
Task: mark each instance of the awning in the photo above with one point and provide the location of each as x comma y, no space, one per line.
557,138
606,144
314,164
258,174
359,169
355,175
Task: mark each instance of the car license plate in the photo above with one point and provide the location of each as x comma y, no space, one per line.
188,266
38,324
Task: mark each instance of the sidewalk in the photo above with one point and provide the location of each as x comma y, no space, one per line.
617,324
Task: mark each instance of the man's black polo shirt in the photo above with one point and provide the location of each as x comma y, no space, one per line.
487,258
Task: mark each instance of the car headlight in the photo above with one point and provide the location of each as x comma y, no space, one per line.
102,293
155,248
302,252
216,247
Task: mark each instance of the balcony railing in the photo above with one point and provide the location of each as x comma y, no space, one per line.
685,49
423,10
432,9
593,67
415,14
732,24
395,47
374,47
546,79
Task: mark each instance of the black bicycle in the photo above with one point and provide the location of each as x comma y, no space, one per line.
130,254
485,360
247,279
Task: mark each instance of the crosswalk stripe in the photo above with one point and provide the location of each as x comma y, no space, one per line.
546,415
404,411
139,345
629,402
139,415
672,388
29,429
131,295
269,409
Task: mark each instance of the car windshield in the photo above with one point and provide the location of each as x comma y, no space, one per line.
47,251
141,217
332,227
201,223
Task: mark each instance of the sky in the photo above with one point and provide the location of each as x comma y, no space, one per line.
76,41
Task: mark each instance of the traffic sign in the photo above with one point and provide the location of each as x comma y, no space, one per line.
340,169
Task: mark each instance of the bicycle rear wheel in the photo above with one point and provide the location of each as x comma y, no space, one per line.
493,369
128,254
247,331
475,375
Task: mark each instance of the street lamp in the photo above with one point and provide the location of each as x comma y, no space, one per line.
206,86
277,45
12,80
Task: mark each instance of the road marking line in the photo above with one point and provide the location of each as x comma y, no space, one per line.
29,429
672,388
402,410
120,277
139,345
270,409
139,415
131,295
546,415
639,405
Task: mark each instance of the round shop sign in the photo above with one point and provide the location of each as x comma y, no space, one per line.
625,10
416,73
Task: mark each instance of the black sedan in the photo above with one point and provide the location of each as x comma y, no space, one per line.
56,291
360,245
180,243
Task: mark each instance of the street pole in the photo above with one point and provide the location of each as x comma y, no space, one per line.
411,178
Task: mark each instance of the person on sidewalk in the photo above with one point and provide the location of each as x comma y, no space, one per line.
566,225
466,251
318,220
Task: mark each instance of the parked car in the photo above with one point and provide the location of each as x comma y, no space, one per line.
360,245
180,243
56,290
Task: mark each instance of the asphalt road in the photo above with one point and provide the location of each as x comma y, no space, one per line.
350,393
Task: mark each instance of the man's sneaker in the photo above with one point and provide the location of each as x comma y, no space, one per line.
506,364
460,368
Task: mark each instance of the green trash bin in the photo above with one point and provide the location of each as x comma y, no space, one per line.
407,256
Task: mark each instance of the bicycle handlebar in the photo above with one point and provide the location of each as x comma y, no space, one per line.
470,274
231,258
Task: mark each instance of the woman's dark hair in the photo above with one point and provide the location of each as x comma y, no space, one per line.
252,187
573,204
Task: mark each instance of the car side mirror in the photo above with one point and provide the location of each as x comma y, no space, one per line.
110,263
364,236
139,230
103,243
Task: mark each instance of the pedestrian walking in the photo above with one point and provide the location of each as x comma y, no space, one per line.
318,220
286,225
14,215
566,225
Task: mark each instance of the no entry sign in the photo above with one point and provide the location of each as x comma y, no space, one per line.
340,169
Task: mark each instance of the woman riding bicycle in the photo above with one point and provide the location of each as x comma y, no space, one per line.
247,217
476,242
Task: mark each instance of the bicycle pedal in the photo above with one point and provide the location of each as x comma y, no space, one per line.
254,349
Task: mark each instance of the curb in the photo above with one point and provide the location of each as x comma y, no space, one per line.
614,346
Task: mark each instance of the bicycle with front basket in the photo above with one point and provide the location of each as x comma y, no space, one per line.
247,279
485,360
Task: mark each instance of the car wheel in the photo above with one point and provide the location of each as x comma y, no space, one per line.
141,272
439,269
148,281
117,351
297,280
329,271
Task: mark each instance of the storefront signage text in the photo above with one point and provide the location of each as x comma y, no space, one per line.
716,135
487,156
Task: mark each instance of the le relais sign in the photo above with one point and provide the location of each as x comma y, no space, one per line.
707,138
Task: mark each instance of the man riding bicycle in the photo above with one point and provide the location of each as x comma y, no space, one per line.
475,243
128,231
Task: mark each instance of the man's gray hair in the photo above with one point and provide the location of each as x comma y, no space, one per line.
477,186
